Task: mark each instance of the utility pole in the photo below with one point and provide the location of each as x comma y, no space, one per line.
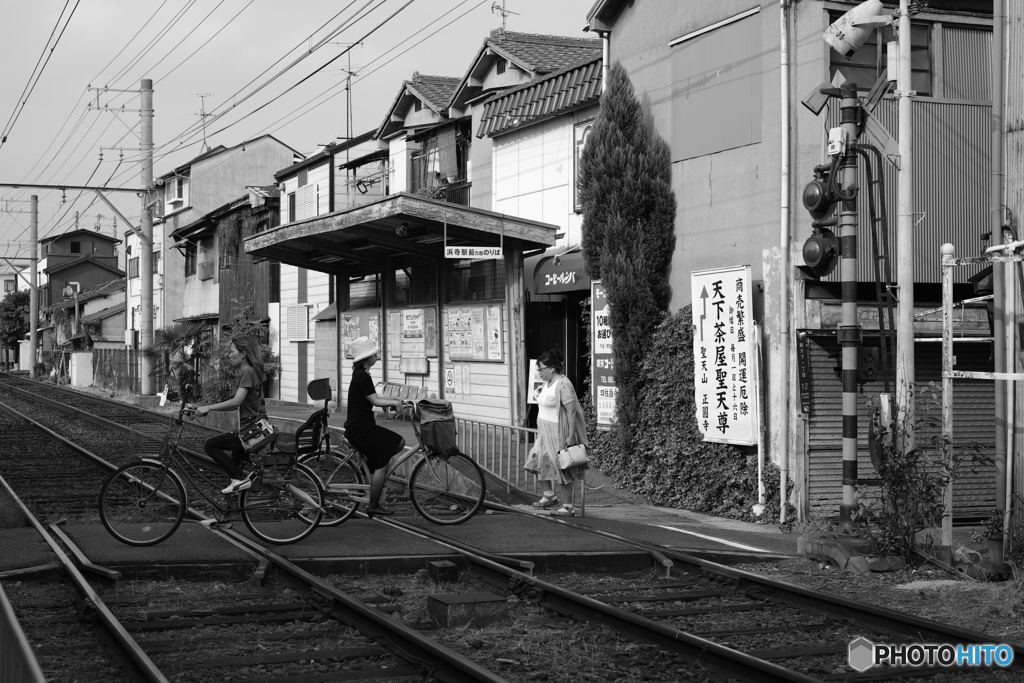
905,375
850,333
999,270
146,248
33,296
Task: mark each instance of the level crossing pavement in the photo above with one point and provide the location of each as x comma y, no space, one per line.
362,545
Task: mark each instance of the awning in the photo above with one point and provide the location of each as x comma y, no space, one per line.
105,313
201,316
329,313
392,231
549,277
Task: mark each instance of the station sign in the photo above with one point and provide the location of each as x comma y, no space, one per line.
725,368
602,360
473,252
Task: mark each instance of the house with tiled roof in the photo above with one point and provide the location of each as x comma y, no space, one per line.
506,60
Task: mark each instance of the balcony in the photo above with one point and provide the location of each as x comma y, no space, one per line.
206,270
456,193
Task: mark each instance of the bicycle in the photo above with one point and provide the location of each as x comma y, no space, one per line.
144,502
443,488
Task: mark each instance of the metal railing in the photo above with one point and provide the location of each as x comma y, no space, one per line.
502,450
18,664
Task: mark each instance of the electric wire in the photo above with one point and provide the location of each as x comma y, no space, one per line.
343,52
19,108
233,97
206,42
153,43
335,87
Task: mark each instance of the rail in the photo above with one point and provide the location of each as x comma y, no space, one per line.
17,662
502,450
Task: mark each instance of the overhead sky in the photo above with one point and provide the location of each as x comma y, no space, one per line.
217,48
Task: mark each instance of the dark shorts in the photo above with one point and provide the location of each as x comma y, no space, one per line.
378,445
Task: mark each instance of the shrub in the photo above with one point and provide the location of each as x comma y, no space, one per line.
670,462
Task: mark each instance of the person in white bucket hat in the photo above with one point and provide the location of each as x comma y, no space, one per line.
378,445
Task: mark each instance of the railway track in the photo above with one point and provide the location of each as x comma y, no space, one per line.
733,624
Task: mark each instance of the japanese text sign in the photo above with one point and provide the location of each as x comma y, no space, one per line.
602,360
725,377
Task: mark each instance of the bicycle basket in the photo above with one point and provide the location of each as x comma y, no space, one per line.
436,421
277,467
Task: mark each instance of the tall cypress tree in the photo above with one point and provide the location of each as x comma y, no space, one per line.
628,232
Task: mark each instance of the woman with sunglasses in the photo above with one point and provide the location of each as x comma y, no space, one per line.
560,424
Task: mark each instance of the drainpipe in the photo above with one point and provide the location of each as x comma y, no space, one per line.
784,239
1004,484
604,60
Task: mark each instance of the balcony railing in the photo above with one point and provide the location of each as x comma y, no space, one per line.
456,193
206,270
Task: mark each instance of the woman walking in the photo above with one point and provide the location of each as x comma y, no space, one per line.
378,445
226,449
560,424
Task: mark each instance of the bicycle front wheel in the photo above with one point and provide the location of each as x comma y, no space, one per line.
447,490
341,480
142,503
285,512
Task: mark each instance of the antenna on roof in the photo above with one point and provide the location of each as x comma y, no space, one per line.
503,12
203,115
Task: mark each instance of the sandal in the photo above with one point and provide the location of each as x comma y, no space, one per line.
564,511
546,503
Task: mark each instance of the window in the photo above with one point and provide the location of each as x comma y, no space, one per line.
865,66
191,258
133,267
500,65
716,87
364,292
416,283
8,285
291,207
581,133
76,247
261,225
476,280
275,282
417,105
156,262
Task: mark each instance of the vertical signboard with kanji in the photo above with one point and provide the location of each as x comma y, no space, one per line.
601,359
725,380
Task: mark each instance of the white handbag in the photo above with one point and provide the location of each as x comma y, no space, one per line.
573,456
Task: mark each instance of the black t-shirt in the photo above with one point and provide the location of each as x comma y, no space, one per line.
360,411
252,404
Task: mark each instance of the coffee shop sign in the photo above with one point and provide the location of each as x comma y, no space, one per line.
567,277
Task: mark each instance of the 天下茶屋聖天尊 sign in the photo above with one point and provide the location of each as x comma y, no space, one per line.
725,369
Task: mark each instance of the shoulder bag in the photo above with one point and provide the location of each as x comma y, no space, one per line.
258,434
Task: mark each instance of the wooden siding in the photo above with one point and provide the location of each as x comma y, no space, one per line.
245,281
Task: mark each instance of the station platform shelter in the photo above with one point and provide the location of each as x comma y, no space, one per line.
440,286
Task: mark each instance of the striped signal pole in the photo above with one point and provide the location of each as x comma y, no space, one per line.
850,333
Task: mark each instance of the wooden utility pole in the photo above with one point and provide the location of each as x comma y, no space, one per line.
33,296
905,239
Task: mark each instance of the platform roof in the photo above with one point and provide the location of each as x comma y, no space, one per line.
363,239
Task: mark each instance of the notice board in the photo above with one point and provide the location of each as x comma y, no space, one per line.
725,373
359,324
474,333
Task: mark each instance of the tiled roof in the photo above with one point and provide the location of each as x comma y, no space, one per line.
541,98
543,54
265,191
434,91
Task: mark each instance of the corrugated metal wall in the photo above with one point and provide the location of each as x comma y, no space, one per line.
1015,181
973,423
966,66
952,171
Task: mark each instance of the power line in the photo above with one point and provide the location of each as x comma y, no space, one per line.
152,43
24,100
206,42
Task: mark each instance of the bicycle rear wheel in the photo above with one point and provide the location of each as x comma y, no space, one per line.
447,490
339,477
286,512
142,503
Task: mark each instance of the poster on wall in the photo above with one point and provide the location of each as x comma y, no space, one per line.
430,331
395,334
412,323
602,361
536,383
349,332
475,333
725,377
373,329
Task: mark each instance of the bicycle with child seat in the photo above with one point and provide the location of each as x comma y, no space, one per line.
444,489
145,501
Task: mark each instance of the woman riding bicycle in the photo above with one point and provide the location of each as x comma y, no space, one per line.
378,445
226,449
